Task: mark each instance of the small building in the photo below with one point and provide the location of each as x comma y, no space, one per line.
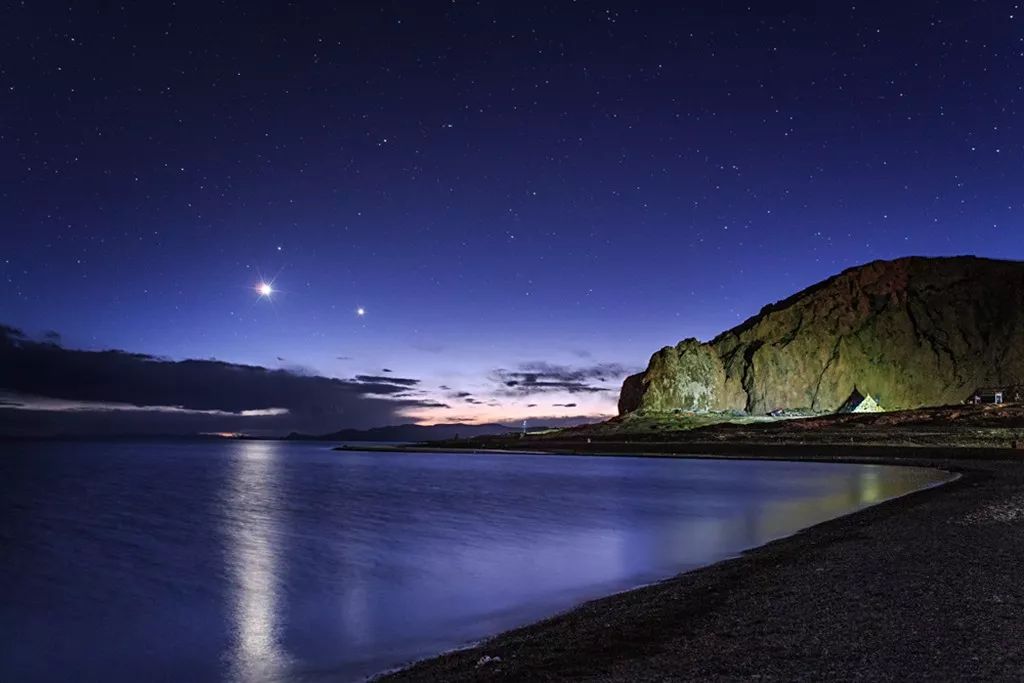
995,395
860,403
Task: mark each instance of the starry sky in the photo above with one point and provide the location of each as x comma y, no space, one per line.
526,199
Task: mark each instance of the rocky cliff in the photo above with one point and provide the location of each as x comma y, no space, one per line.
910,332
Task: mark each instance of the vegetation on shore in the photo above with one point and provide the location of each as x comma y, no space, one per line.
967,426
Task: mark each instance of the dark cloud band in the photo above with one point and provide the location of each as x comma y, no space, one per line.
195,391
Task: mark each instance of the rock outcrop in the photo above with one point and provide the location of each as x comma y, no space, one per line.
912,332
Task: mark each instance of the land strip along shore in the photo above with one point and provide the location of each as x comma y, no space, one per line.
964,426
923,587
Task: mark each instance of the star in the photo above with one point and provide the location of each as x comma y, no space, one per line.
360,311
265,289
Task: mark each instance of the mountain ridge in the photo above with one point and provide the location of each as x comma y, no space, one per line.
913,331
407,432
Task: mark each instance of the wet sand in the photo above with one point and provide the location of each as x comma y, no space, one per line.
928,586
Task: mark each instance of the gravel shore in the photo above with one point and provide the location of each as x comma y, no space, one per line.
926,587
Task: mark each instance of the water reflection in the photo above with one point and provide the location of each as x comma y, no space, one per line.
355,613
252,532
264,561
846,492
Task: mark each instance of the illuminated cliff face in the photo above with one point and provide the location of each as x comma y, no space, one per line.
911,332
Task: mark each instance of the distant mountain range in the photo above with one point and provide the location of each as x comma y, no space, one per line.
405,432
410,432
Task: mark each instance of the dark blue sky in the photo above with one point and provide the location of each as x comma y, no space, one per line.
498,184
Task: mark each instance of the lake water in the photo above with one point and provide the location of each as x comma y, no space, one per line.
262,561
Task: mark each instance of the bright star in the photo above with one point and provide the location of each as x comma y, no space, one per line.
360,311
265,289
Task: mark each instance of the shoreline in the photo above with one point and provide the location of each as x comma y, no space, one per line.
725,620
853,453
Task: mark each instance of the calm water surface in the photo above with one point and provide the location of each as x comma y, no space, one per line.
262,561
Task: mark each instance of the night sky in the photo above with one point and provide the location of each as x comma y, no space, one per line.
525,199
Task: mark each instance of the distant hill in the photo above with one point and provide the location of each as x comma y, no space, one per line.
911,332
409,432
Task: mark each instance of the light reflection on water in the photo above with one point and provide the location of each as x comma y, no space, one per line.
262,561
252,543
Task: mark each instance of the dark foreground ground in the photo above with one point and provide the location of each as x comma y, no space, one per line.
926,587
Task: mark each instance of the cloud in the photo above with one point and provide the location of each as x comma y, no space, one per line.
25,402
59,389
541,377
378,379
385,370
563,405
432,404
